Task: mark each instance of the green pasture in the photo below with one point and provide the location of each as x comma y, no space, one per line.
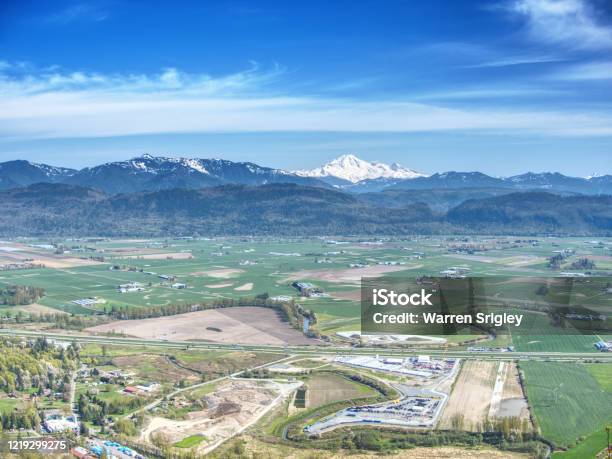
567,401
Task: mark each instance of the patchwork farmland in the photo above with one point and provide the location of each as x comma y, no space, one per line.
188,271
204,364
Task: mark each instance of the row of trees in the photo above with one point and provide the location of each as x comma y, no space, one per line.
511,428
15,295
60,320
293,312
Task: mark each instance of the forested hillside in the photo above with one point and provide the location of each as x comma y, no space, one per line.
288,209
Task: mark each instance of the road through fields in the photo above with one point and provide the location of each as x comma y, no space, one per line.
312,349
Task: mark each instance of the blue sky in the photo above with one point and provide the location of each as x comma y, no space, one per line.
498,86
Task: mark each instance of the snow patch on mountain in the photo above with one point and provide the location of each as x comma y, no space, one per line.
158,164
353,169
51,171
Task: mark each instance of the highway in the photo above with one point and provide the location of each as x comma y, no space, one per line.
319,349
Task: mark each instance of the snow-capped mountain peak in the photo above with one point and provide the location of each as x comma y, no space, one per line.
150,164
353,169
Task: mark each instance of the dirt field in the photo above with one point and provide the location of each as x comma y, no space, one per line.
17,253
48,261
231,408
37,309
471,396
222,273
155,368
241,325
245,287
351,295
349,275
524,260
513,401
219,285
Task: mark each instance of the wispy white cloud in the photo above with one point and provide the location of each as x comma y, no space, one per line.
493,93
572,23
517,60
478,55
24,79
600,70
79,12
77,104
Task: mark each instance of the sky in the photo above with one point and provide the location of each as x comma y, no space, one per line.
499,86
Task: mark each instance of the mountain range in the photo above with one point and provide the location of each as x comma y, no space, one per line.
149,173
347,173
158,196
280,209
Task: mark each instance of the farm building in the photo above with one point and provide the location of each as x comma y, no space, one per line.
306,289
131,287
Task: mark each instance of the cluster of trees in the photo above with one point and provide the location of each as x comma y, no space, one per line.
27,418
555,261
59,320
96,410
261,373
37,364
125,427
14,295
296,314
583,263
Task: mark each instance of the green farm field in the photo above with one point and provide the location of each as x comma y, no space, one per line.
568,402
227,268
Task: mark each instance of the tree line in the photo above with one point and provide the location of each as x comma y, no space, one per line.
18,295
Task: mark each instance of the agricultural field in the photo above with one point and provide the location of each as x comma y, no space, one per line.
471,396
568,402
326,387
243,325
484,391
602,373
213,270
555,343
